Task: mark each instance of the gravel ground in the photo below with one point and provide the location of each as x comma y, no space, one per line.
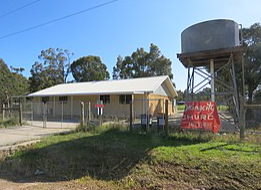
6,185
16,135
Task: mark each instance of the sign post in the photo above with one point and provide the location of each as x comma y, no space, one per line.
99,109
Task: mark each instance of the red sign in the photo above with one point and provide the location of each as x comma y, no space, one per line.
99,106
201,115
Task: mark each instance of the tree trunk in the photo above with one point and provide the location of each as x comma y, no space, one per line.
249,112
250,97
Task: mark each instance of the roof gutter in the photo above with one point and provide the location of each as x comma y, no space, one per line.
82,94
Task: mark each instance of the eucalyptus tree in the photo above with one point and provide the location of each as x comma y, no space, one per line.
252,39
142,64
53,68
89,68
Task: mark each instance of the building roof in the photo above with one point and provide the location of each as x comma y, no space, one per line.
124,86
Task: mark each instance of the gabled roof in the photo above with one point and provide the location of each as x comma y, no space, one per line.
124,86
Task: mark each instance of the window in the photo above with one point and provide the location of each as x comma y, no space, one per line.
125,99
45,99
128,99
63,98
105,99
29,98
16,102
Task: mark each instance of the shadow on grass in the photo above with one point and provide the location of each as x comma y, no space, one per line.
218,147
108,156
223,147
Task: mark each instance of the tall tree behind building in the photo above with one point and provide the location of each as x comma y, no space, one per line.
53,69
142,64
89,68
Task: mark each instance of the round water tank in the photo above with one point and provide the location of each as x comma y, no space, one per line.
210,35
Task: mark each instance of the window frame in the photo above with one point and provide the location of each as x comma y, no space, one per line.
63,99
125,98
105,98
45,99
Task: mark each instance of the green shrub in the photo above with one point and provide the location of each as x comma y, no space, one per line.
13,121
102,128
181,107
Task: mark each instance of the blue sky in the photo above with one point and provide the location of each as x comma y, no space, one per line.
115,29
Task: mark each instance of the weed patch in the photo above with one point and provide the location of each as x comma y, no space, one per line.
9,122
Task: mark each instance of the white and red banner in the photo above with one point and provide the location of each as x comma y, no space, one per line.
201,115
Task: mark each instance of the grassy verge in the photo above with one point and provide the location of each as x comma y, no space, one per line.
116,158
222,108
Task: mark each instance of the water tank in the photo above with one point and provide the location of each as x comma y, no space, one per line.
210,35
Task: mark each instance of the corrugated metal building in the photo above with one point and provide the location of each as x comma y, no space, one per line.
147,95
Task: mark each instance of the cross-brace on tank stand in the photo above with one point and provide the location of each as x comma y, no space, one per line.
217,61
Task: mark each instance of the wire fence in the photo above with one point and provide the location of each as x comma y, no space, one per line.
253,118
148,114
53,114
56,114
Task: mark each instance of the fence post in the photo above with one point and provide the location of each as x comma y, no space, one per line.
44,115
89,111
242,105
166,118
131,115
82,114
3,106
242,121
32,112
20,113
62,116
